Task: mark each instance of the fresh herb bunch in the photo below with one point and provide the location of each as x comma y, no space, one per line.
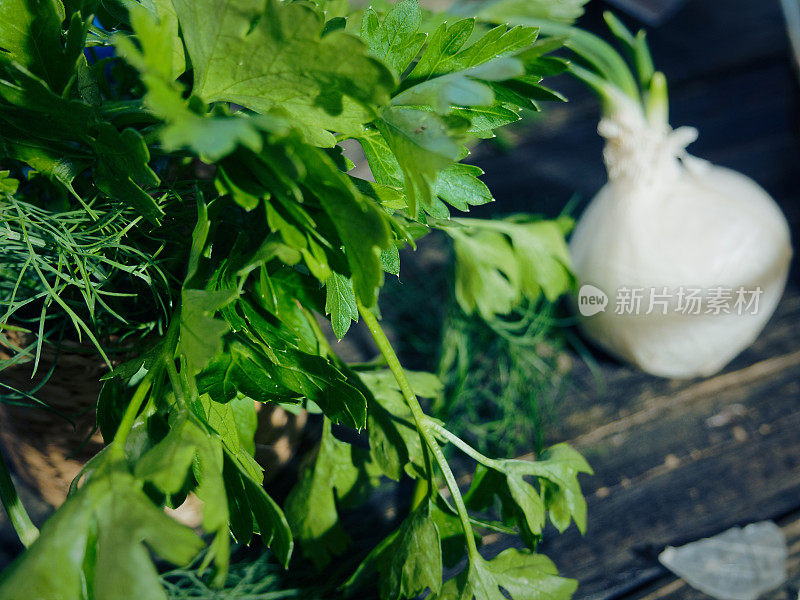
210,131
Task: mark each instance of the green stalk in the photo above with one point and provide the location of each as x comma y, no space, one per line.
610,75
791,10
164,360
601,55
464,447
421,491
657,100
174,380
423,424
117,452
17,514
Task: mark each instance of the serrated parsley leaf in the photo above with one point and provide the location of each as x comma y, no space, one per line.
487,273
214,462
460,187
422,145
408,562
458,184
556,472
273,525
122,169
390,260
463,88
186,124
340,303
521,504
445,43
500,262
311,507
397,39
544,257
453,83
110,511
282,374
393,438
522,575
31,34
268,54
558,468
201,333
362,225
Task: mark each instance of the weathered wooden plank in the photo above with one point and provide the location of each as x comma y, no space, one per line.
626,391
679,460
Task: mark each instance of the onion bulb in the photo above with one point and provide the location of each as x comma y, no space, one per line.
679,263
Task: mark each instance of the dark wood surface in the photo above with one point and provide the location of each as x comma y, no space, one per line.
676,461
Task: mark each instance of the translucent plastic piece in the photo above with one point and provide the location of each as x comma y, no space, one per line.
738,564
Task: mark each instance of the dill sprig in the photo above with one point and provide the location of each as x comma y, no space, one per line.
502,377
75,269
261,578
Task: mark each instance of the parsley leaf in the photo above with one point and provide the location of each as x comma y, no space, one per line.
32,36
122,169
361,225
201,333
408,561
340,303
187,123
266,54
397,40
422,146
499,262
311,507
459,186
557,469
454,88
293,375
393,439
523,576
112,512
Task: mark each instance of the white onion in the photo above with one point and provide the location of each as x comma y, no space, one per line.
669,220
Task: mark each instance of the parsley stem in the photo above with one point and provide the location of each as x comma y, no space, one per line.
423,424
117,451
174,380
165,357
463,446
17,514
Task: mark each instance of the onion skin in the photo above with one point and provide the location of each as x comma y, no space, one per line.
703,226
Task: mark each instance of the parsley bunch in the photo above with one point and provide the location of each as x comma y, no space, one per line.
208,130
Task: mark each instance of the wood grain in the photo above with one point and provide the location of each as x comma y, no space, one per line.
676,461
